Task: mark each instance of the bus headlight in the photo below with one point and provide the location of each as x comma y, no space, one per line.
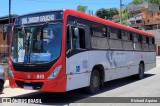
11,73
55,73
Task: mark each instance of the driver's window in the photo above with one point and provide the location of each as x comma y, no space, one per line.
73,41
68,42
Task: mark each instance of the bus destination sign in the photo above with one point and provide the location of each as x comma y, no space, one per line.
39,17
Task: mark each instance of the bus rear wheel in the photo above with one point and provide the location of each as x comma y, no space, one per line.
94,82
140,74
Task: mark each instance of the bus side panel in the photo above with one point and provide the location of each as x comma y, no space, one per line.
151,61
117,64
77,71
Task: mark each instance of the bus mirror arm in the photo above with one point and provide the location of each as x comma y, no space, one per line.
4,33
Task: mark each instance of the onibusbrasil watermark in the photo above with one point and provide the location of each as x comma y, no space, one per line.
18,100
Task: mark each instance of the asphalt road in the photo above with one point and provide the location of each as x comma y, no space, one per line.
125,87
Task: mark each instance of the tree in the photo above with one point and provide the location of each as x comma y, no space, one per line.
124,17
137,2
113,11
82,8
102,13
157,2
106,13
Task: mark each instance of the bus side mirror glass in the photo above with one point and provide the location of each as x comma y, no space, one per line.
76,32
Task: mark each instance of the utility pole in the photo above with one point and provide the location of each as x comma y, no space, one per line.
120,11
8,31
9,18
90,12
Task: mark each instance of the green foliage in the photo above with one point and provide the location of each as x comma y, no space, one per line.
157,2
137,2
154,1
110,12
106,13
113,11
82,8
124,22
102,13
124,17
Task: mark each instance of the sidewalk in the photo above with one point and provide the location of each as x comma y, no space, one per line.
157,61
6,84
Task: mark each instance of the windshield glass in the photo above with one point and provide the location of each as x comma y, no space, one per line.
36,44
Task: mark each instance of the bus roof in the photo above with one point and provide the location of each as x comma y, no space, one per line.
95,19
107,22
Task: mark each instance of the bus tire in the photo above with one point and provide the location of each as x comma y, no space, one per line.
1,87
140,74
94,82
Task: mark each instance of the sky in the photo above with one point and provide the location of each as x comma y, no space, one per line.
21,7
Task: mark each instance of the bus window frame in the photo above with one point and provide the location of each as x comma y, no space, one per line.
92,35
130,39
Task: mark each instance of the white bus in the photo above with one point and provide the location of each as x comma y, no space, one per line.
70,50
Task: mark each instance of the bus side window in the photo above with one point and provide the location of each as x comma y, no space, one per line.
99,38
124,35
140,38
144,39
119,34
153,41
152,44
79,41
82,38
73,41
68,42
147,40
150,40
137,42
108,32
136,38
113,33
131,37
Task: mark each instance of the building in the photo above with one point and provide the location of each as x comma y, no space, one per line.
145,16
115,18
4,44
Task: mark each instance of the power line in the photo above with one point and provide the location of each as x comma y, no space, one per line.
9,11
67,3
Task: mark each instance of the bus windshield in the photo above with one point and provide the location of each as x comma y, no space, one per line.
36,44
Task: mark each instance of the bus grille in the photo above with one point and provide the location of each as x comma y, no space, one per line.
35,85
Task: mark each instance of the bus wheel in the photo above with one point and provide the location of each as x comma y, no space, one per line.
1,87
94,82
141,72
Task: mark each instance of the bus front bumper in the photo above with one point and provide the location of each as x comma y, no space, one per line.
54,85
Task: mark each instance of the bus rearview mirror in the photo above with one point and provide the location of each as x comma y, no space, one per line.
76,32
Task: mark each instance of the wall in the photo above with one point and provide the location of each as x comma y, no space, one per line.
3,43
3,48
133,7
153,7
157,37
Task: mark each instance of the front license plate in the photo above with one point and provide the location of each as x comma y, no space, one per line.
27,87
